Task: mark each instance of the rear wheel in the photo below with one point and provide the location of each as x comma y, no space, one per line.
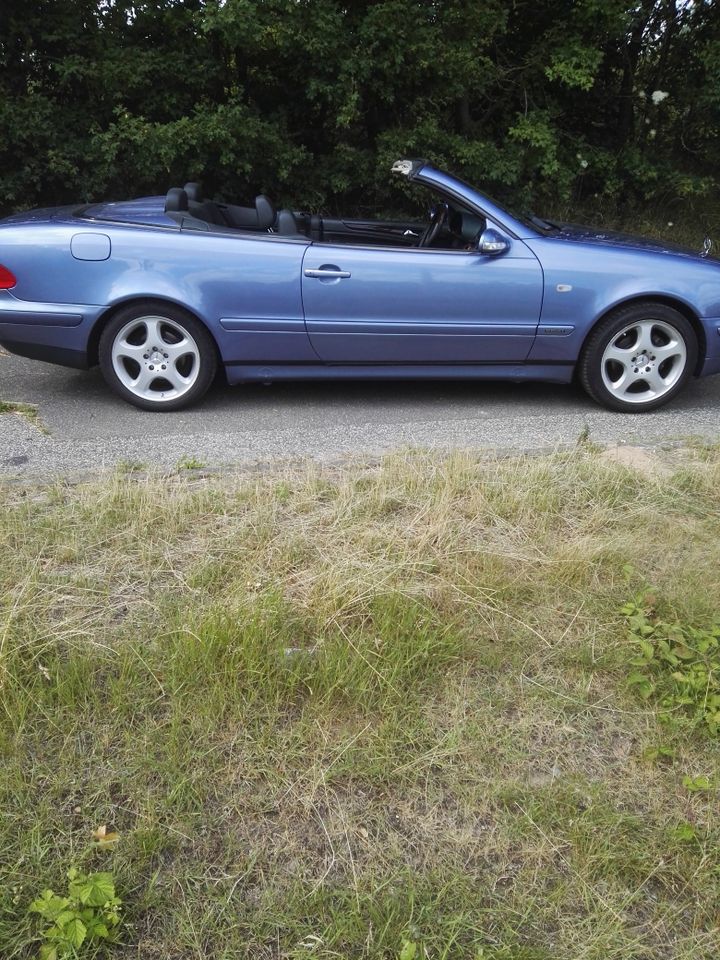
639,357
157,357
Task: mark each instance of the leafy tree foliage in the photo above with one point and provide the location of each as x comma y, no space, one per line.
589,102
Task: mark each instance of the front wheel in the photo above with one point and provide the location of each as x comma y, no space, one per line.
638,358
157,357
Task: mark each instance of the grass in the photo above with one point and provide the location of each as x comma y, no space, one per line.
331,710
190,463
26,410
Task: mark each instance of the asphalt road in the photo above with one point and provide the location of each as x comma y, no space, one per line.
90,428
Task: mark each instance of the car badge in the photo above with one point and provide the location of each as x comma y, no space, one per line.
706,247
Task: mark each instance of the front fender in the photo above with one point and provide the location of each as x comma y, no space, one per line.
584,282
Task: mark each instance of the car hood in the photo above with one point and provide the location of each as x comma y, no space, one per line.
585,234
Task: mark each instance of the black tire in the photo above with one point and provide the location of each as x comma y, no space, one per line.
202,356
590,369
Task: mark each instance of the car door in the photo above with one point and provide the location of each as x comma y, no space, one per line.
392,305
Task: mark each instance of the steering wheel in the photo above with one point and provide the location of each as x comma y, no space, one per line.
438,216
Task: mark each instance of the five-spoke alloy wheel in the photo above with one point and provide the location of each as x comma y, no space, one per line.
158,358
639,357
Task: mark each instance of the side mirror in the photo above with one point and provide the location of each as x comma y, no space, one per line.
491,243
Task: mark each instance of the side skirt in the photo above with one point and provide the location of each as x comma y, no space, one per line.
266,373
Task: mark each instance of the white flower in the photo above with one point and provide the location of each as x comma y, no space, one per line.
659,95
670,223
651,134
583,164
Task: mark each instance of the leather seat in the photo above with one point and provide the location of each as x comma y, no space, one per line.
177,207
203,209
287,225
194,192
265,210
176,201
188,208
209,212
259,217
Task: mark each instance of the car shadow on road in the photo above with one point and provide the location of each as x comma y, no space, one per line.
499,397
398,393
87,393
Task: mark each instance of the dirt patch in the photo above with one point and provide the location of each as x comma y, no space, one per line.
642,459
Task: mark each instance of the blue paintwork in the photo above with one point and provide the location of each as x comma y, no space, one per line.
451,307
401,312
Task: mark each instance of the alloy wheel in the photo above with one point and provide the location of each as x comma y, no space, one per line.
643,361
156,358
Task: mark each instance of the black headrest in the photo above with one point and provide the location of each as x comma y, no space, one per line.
176,200
265,212
287,224
194,191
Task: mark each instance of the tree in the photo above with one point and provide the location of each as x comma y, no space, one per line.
566,101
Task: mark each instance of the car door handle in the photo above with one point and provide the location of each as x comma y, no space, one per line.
328,273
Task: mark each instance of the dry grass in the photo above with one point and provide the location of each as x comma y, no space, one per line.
329,709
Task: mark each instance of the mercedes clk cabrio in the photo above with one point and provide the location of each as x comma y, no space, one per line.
162,292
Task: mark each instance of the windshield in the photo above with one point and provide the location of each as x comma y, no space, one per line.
526,217
500,212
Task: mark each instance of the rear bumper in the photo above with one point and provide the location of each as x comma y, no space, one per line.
55,333
64,356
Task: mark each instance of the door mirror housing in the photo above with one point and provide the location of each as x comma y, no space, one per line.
491,243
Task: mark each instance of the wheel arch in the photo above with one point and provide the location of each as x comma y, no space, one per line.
107,315
680,305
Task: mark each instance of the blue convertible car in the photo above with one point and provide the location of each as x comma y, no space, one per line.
163,291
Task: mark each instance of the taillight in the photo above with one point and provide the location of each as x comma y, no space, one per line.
7,279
